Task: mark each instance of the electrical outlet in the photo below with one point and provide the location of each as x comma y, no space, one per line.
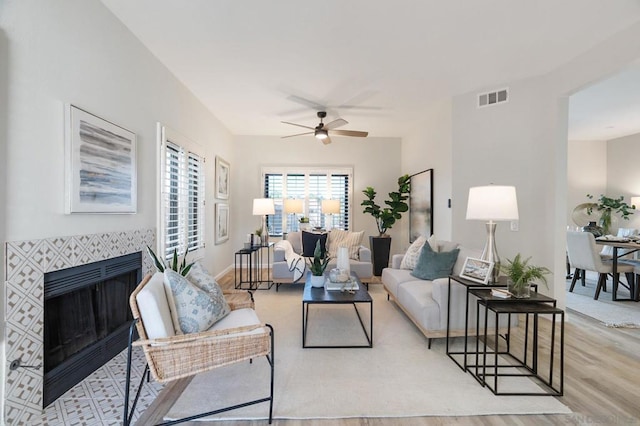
514,225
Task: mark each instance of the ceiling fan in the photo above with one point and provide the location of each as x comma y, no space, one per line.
322,131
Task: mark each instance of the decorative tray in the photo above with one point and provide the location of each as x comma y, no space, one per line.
350,285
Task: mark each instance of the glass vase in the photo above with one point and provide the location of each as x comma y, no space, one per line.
519,290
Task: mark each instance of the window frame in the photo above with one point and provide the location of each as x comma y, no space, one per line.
187,148
308,171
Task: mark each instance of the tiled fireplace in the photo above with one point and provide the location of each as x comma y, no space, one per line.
26,265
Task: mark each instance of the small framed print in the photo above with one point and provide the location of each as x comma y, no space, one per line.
222,178
477,270
222,223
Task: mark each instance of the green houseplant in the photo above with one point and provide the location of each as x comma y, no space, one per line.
385,218
317,265
521,275
607,206
182,268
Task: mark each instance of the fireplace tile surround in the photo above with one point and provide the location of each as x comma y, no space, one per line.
26,262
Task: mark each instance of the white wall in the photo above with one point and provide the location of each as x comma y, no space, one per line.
623,174
77,52
586,173
375,162
429,147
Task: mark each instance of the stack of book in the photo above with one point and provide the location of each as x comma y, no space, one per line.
500,292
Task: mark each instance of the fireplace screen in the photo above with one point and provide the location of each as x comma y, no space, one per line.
86,319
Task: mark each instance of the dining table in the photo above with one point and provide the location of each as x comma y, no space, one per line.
621,247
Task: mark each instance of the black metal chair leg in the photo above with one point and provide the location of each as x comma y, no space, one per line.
576,274
602,280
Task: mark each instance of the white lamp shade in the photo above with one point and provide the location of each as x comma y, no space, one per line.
492,202
293,206
263,206
635,201
330,206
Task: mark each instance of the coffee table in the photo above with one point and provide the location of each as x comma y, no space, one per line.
320,296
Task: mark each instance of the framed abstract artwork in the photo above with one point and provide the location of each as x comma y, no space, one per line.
222,178
222,223
421,205
100,165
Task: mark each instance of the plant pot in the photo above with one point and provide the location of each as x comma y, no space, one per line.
317,281
380,248
521,291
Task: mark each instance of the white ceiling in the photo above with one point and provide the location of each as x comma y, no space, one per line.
378,64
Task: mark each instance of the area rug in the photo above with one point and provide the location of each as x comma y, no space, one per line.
621,314
398,377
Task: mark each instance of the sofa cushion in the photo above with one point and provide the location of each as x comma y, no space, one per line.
350,240
392,278
415,297
239,318
154,308
194,310
309,240
295,238
432,265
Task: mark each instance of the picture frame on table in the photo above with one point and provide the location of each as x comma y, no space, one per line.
477,270
100,164
223,175
222,223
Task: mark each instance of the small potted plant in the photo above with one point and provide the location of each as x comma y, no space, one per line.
521,275
304,223
182,268
317,265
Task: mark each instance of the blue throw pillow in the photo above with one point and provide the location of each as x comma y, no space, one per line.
432,265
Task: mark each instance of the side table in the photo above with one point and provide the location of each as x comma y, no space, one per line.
255,277
526,366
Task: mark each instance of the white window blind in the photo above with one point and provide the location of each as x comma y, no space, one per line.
312,185
182,217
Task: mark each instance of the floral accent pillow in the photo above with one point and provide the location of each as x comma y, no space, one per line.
192,309
410,259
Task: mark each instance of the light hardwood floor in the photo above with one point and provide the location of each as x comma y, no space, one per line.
602,383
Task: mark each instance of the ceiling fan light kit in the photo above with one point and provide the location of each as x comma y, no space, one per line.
323,131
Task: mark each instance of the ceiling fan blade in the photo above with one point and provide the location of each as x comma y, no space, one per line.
299,125
326,140
335,123
355,133
297,134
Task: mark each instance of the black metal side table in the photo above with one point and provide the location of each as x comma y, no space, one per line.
255,277
488,363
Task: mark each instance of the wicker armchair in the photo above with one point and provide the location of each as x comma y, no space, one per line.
173,357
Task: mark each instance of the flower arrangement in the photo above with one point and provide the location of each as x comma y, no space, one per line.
607,206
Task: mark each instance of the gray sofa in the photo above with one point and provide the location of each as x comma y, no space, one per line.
425,302
280,270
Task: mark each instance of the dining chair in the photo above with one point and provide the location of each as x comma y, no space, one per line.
584,256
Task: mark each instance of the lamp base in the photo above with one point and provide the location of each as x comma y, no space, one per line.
490,253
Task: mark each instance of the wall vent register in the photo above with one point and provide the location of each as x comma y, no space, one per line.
493,98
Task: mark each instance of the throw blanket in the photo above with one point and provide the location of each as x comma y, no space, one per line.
295,262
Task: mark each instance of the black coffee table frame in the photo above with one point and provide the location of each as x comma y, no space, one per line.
320,296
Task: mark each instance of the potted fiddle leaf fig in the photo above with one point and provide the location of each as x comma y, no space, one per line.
385,218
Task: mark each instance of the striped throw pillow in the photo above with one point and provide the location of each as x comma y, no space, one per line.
350,240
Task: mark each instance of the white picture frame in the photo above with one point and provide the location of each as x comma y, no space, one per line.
223,176
477,270
222,223
100,165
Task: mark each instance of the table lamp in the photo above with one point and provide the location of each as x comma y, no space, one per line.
330,207
293,206
492,203
263,207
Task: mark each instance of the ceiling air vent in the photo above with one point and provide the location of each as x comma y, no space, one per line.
492,98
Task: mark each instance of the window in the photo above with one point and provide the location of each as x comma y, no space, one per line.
182,184
312,185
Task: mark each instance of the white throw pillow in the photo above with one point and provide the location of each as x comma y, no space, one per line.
193,309
410,259
350,240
